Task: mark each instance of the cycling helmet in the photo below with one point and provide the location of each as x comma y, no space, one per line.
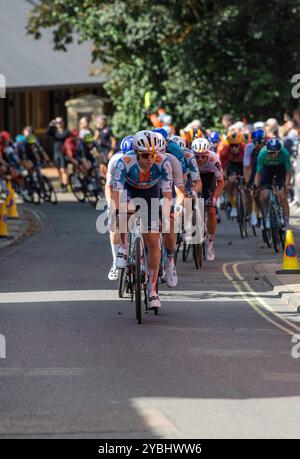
167,119
31,140
192,134
5,136
274,145
88,138
168,130
126,144
200,145
214,137
235,138
161,131
258,125
258,135
146,141
179,141
20,138
162,142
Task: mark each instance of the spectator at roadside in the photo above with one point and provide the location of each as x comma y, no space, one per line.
69,147
227,120
104,137
57,130
84,127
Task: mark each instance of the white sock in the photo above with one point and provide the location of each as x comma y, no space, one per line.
211,237
114,251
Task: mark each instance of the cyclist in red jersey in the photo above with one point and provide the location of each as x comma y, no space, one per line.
232,156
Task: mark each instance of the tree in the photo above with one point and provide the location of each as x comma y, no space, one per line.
200,57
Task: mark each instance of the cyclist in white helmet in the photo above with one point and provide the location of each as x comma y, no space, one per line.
144,173
212,186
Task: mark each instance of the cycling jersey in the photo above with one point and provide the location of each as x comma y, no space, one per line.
11,156
212,165
249,152
111,167
176,151
34,154
176,170
226,155
84,152
191,164
128,170
264,159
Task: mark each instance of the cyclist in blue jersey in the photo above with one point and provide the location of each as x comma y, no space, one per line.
250,164
144,173
125,146
215,139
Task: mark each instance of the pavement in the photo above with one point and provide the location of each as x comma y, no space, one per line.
287,286
19,228
218,361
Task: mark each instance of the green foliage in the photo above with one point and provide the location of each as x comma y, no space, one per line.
201,58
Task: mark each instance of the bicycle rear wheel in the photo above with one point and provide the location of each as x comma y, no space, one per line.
77,187
138,281
185,251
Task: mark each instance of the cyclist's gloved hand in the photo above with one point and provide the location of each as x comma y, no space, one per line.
113,220
178,209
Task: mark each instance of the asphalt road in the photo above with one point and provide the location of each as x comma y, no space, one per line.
215,363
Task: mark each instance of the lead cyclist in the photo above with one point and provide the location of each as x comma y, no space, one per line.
144,173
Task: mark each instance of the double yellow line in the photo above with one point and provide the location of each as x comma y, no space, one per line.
256,302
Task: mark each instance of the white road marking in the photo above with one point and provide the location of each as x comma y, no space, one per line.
252,303
154,418
261,301
6,372
192,296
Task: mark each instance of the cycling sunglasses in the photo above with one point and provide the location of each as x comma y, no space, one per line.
273,152
234,145
201,155
147,155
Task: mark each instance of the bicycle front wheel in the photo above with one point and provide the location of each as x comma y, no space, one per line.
198,255
122,282
241,215
138,281
275,229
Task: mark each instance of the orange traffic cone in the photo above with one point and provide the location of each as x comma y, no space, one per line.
11,206
290,261
3,221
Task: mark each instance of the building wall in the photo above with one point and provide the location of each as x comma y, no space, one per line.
37,107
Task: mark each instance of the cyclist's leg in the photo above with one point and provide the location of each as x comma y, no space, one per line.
153,259
230,187
208,190
251,204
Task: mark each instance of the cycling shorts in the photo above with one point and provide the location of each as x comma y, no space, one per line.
268,172
208,185
234,168
149,209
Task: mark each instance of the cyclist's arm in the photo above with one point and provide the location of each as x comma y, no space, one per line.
43,155
111,169
180,194
219,188
224,158
166,180
119,182
195,175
